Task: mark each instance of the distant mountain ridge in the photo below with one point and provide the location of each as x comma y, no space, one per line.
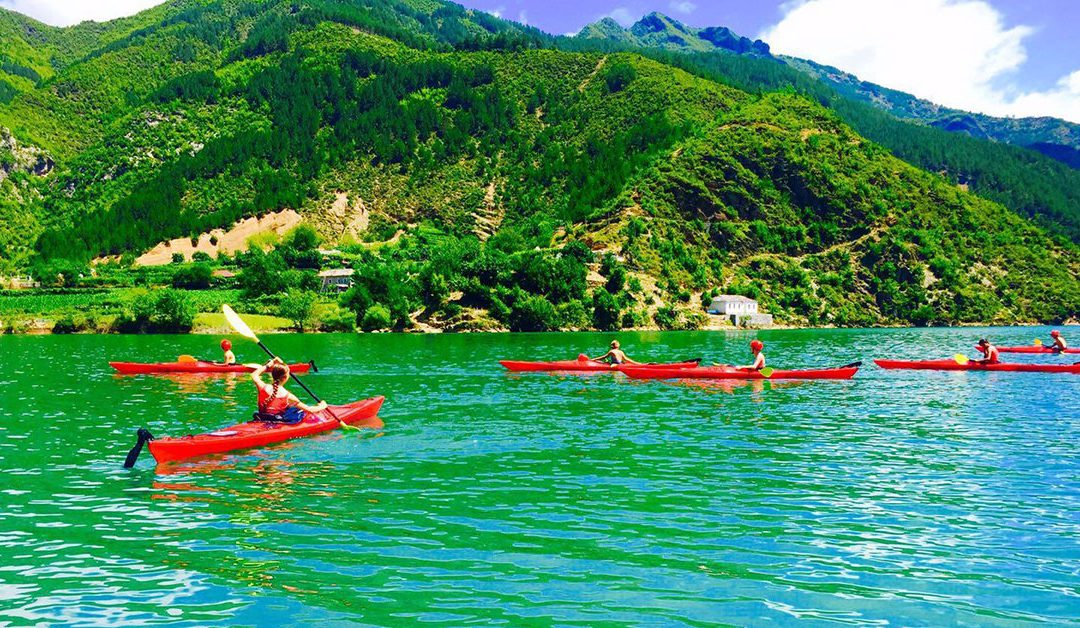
657,30
1056,138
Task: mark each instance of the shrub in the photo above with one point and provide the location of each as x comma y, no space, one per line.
579,251
334,318
666,318
606,315
573,315
618,76
375,318
164,311
193,277
178,258
533,313
202,257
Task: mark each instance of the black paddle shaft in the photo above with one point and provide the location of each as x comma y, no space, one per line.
298,381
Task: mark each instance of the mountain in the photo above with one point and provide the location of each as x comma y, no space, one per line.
657,30
1045,135
462,156
1028,181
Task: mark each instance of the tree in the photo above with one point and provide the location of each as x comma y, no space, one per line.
533,313
299,307
193,277
606,314
375,318
164,311
263,274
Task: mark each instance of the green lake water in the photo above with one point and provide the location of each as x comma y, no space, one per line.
900,497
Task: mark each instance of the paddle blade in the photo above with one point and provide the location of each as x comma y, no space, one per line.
767,372
238,323
1038,342
961,359
186,359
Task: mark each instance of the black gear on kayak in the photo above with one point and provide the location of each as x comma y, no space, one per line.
144,437
314,369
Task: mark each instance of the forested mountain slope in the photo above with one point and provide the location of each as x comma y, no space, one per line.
496,161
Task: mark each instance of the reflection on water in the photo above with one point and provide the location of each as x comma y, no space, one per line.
913,498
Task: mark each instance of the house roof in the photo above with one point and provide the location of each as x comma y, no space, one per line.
337,272
733,298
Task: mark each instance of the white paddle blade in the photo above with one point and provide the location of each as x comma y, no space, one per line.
238,323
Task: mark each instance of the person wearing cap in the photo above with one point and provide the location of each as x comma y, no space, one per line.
1059,345
989,351
758,349
615,356
226,346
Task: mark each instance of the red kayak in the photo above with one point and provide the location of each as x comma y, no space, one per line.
258,434
134,368
730,372
1035,349
587,366
953,365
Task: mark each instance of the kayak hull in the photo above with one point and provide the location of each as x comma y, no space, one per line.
727,372
135,368
257,434
1039,350
583,366
952,365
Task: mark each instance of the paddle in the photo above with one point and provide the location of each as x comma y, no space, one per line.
961,359
1038,342
187,359
242,328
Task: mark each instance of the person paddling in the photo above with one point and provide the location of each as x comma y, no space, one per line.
758,349
989,351
230,358
275,403
615,356
1059,345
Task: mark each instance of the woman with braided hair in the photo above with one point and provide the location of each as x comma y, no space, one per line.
275,403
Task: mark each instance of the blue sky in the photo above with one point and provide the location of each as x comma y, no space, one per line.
1002,57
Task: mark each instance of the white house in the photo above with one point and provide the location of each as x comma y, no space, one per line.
339,279
733,305
741,310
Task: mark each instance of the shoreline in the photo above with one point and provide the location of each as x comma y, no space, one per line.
42,330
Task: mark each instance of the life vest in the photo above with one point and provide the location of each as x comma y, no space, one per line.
277,405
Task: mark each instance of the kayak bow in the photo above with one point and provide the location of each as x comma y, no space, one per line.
952,365
586,366
730,372
135,368
258,434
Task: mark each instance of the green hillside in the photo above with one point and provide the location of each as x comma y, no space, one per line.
469,173
1028,164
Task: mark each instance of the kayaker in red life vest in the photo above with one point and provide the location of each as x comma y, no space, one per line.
615,356
226,346
1059,341
989,351
758,349
274,400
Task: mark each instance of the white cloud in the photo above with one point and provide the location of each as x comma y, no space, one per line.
523,17
498,11
683,6
67,12
958,53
